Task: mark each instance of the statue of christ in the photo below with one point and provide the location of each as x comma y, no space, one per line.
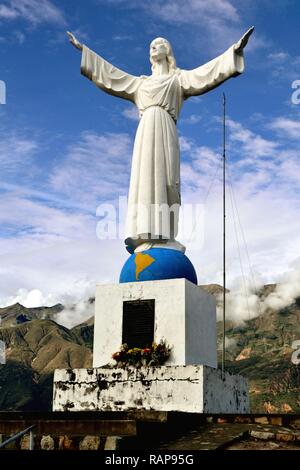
154,192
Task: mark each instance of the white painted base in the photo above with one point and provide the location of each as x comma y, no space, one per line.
185,316
191,389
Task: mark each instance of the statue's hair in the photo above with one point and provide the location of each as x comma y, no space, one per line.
170,56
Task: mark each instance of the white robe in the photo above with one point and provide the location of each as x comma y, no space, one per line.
155,173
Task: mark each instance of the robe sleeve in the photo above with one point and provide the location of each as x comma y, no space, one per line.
107,77
212,74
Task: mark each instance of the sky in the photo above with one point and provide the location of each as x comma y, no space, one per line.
66,146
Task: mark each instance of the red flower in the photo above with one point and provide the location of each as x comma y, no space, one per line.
157,354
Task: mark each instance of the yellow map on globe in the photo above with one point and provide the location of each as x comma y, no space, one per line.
142,261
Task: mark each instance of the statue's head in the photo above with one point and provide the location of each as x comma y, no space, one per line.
161,49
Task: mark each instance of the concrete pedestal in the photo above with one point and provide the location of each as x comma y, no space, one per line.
185,316
191,389
177,311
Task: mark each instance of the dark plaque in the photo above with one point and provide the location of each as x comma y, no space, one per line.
138,323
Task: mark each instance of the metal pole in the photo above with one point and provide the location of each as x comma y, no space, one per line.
224,231
16,436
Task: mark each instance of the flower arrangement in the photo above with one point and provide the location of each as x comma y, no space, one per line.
156,355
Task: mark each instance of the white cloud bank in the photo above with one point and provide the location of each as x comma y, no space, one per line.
220,21
33,11
241,307
51,253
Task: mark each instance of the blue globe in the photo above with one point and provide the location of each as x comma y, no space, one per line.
156,264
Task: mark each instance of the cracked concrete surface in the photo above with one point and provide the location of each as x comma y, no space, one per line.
191,388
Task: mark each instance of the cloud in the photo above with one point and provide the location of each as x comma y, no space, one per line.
49,250
264,174
16,151
241,305
198,171
284,66
192,119
230,343
210,26
33,11
74,314
122,37
52,254
195,11
278,56
30,299
7,12
20,37
185,144
220,19
286,127
287,289
254,145
95,167
243,302
131,113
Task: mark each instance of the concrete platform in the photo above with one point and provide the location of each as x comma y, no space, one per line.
190,389
185,316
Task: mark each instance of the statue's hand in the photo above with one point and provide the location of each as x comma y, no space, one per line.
239,46
74,41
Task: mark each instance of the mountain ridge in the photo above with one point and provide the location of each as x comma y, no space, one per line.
259,348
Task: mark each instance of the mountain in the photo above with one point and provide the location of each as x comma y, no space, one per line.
34,349
17,314
214,289
260,349
85,332
44,346
19,388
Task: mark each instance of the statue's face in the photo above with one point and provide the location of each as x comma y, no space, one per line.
158,51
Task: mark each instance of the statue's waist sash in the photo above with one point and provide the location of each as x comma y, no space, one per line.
158,106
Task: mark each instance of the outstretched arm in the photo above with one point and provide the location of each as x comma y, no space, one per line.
74,41
105,75
210,75
242,43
